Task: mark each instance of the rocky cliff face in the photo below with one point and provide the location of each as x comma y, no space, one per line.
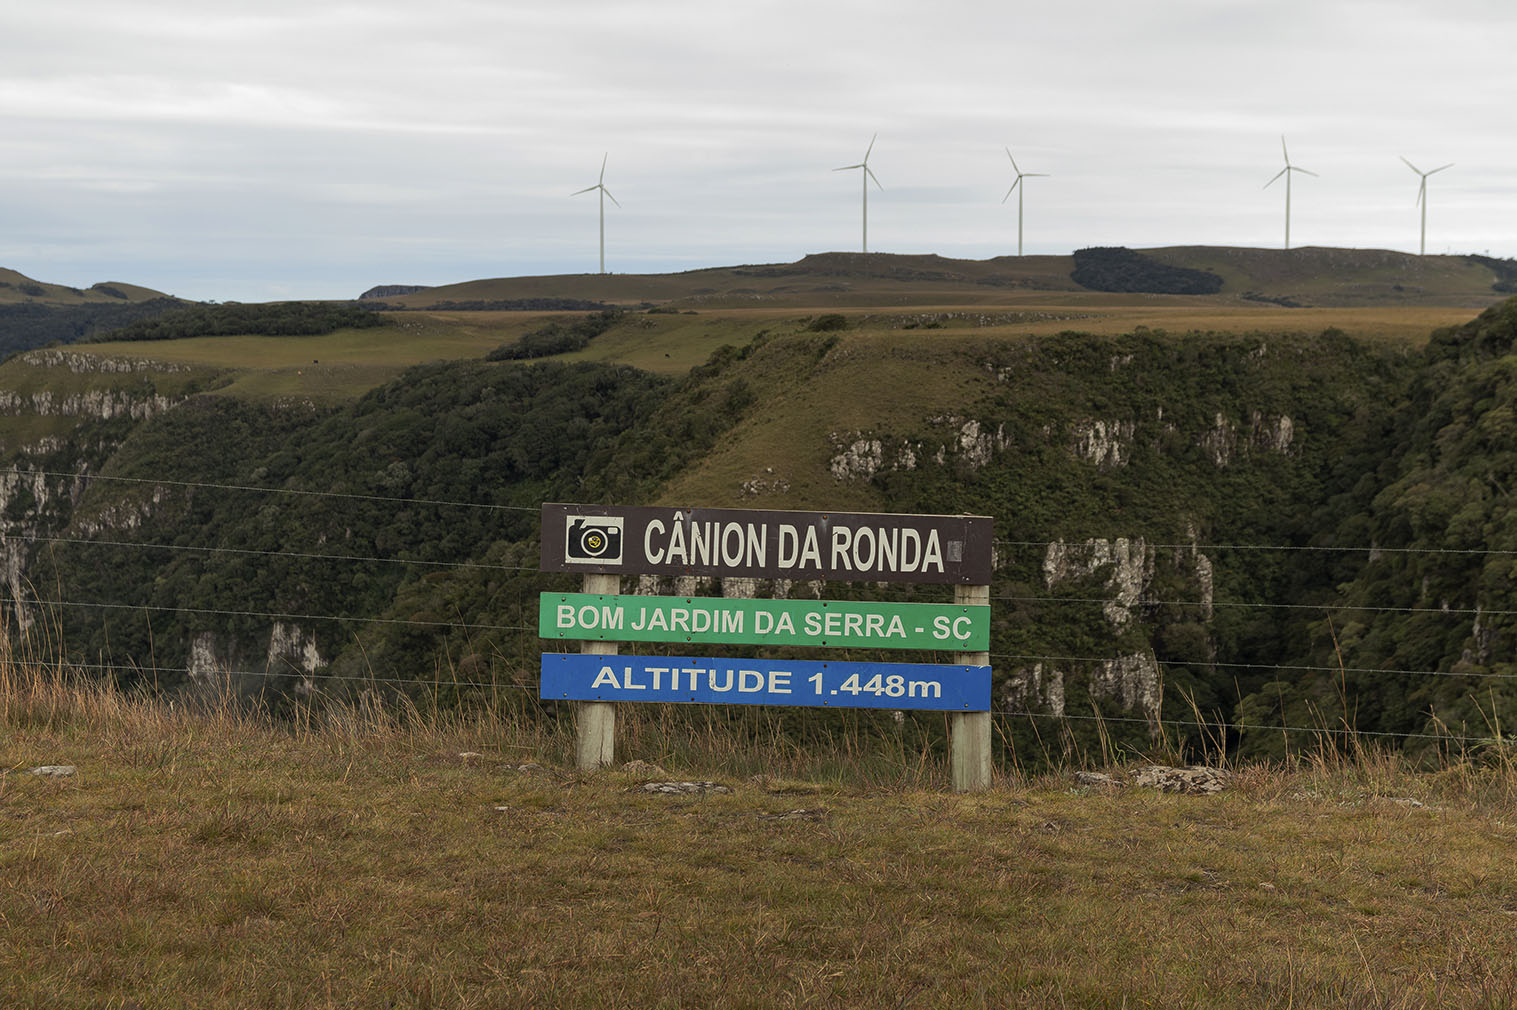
1117,575
1099,442
1136,445
48,494
44,477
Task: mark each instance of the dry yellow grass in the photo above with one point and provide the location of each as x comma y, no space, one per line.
208,859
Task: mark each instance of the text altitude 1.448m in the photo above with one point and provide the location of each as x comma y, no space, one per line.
576,677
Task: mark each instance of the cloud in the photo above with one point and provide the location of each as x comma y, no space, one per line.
239,149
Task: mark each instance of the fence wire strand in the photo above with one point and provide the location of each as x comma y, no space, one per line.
389,499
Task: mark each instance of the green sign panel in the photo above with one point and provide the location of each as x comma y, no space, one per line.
713,620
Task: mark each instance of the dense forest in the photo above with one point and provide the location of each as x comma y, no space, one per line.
275,319
1117,268
24,325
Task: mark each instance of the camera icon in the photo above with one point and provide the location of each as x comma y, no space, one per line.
593,540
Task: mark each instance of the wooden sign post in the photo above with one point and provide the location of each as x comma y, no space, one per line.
969,734
595,721
604,542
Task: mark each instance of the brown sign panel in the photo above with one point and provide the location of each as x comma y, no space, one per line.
756,543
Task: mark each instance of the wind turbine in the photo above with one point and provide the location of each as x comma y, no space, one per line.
604,192
865,176
1020,176
1286,171
1422,199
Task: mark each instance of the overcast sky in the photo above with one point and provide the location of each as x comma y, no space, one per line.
300,148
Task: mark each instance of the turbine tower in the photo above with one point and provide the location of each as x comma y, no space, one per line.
1286,171
1020,176
1422,199
604,192
865,176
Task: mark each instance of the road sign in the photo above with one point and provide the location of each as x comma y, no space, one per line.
715,620
754,543
573,677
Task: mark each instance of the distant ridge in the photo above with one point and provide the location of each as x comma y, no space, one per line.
1296,277
17,288
391,291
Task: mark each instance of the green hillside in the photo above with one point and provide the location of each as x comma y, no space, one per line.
18,288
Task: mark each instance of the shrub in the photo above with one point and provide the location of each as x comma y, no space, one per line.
556,337
274,319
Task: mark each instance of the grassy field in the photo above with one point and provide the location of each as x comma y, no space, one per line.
341,366
1334,276
383,860
333,367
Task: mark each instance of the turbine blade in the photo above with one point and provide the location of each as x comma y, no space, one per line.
603,165
1409,165
587,189
1442,167
1035,175
1283,149
1277,175
606,191
1306,171
1421,192
870,148
1012,190
1014,166
871,175
847,168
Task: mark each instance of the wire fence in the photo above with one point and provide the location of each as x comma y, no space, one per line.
1215,728
227,673
273,615
1326,608
1307,548
37,538
1236,728
294,492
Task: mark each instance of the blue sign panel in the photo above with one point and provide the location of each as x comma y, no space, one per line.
576,677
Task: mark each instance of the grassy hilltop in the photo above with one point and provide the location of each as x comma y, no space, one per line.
1314,276
18,288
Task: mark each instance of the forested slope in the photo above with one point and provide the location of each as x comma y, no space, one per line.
1436,596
